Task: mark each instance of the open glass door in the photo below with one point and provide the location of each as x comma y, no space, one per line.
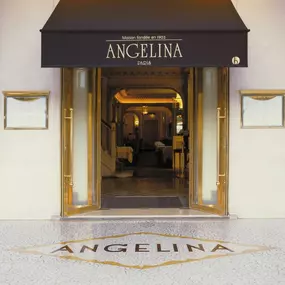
209,140
81,140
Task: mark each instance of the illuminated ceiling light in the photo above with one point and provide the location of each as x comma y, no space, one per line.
120,96
144,110
179,101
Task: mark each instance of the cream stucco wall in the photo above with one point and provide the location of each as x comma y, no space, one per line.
30,160
257,157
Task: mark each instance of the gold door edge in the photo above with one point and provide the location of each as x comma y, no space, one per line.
94,139
221,208
97,88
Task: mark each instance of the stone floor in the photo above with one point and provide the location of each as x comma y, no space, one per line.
153,183
144,186
150,252
151,190
117,214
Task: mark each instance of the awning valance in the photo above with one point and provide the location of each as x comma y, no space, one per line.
108,33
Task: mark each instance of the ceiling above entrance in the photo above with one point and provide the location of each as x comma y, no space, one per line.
120,33
148,96
150,92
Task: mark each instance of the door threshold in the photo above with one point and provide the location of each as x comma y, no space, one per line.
147,214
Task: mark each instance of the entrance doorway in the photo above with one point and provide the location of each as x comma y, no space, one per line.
146,175
98,161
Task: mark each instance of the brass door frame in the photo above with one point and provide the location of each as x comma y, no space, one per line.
94,137
222,142
191,92
95,122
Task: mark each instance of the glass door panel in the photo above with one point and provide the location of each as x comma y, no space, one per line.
81,135
209,141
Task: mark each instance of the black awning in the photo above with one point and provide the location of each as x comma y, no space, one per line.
108,33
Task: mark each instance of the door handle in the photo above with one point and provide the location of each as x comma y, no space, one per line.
68,171
219,118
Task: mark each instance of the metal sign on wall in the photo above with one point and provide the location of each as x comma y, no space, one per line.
87,49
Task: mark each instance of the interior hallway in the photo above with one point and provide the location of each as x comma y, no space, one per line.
262,264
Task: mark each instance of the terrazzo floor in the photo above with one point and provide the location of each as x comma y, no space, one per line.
152,252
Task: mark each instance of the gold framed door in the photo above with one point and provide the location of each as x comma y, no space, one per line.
208,122
81,140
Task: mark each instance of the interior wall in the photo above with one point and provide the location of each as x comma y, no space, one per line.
29,160
129,125
163,118
161,126
151,128
167,120
257,156
140,115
